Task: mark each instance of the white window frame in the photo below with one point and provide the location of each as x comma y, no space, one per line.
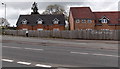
40,29
83,21
89,21
39,21
24,21
56,29
77,21
55,21
104,19
24,29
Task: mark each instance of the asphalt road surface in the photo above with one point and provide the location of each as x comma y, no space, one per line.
47,52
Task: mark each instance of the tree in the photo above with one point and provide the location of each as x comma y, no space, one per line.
4,22
54,9
57,9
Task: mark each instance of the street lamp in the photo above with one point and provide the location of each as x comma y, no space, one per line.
5,9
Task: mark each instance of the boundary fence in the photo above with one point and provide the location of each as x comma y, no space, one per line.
76,34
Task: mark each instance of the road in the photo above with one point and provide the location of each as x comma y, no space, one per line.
48,52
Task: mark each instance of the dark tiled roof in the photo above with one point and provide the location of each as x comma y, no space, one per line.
82,12
47,19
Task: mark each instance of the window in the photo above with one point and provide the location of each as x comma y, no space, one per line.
39,21
24,21
89,21
88,29
104,29
56,29
39,29
55,21
24,29
104,19
77,21
83,21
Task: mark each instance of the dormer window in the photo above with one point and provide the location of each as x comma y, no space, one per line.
39,21
77,21
55,21
24,21
104,19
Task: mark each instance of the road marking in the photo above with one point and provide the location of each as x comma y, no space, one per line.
16,47
4,46
33,49
98,54
41,65
23,48
79,53
7,60
25,63
11,47
108,55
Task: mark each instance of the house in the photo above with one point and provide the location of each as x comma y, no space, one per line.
41,22
36,21
82,18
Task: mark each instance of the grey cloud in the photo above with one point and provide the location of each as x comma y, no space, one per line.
41,5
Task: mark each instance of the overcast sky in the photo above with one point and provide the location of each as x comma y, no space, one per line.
22,7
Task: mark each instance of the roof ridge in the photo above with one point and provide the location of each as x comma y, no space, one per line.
107,12
78,7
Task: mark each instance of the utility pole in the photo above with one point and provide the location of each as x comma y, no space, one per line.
5,15
5,9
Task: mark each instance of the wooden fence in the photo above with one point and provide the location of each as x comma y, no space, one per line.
76,34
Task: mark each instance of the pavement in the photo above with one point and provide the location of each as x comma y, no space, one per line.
49,52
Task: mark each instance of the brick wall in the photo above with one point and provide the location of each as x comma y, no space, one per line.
80,25
106,26
40,26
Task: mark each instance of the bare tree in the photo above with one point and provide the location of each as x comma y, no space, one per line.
55,9
3,22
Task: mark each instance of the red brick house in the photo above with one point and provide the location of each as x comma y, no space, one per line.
41,22
36,21
83,18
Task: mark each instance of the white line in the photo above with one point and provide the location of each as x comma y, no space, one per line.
106,55
11,47
41,65
78,52
7,60
111,55
95,54
26,63
33,49
4,46
16,47
98,54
